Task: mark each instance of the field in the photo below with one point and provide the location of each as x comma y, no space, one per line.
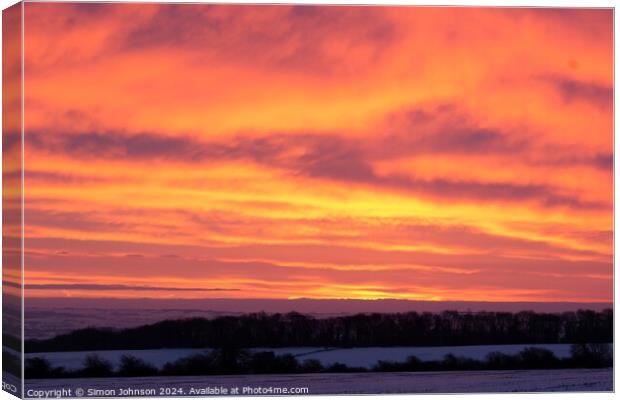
409,382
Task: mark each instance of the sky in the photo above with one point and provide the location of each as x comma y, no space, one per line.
212,151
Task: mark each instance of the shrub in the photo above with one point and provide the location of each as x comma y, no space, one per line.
388,366
537,358
591,355
337,367
95,366
133,366
454,363
231,360
268,363
197,364
40,368
310,366
497,360
413,363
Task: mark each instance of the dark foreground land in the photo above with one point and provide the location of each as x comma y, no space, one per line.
228,355
572,380
224,343
231,345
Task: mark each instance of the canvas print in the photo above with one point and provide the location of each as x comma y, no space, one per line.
228,199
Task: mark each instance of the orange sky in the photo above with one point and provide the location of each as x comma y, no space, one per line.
189,151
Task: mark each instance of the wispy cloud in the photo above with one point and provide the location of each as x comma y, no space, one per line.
99,287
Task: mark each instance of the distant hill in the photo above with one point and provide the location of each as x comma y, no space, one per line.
310,306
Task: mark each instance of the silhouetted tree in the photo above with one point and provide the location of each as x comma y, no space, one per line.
535,357
310,366
497,360
449,328
95,366
591,355
133,366
40,368
197,364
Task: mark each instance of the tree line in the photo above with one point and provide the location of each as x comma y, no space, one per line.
232,361
448,328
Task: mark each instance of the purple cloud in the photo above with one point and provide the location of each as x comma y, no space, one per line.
84,286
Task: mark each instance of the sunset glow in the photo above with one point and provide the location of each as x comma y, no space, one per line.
196,151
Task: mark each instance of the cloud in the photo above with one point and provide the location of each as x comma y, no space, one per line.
334,158
324,156
344,268
389,231
333,260
603,161
148,146
84,286
503,191
467,141
594,23
115,145
63,178
345,161
571,156
72,221
298,38
573,90
444,129
11,141
599,95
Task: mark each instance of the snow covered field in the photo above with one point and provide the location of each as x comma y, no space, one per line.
357,383
352,357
